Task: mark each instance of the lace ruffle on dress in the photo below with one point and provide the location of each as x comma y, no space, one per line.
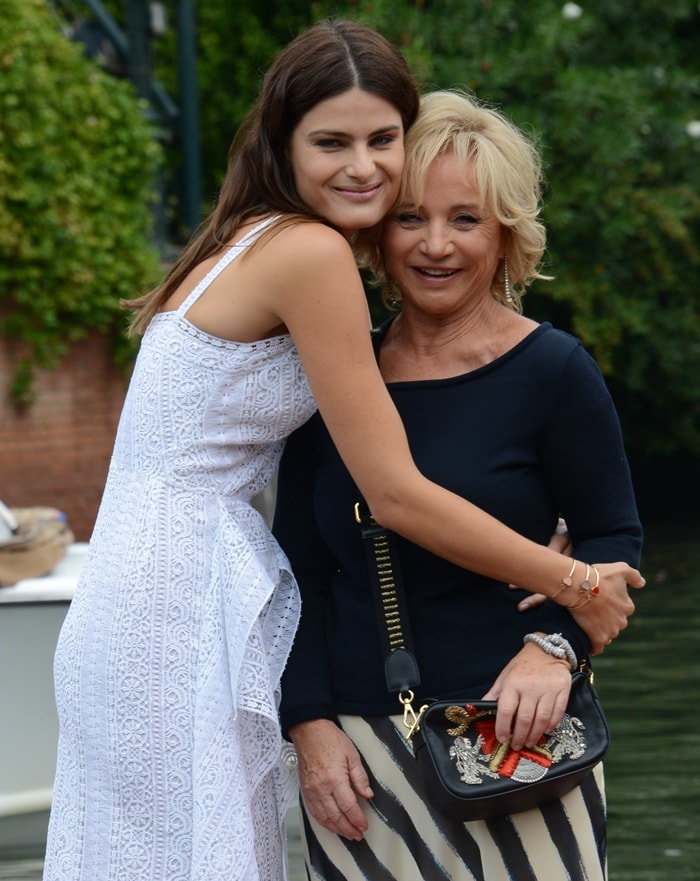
168,665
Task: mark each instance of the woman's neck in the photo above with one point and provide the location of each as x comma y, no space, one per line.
424,346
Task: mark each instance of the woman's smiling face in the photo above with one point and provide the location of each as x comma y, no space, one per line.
443,253
347,157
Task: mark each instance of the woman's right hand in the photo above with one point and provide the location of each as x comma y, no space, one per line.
331,777
605,615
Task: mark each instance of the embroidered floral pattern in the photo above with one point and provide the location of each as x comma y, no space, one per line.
478,754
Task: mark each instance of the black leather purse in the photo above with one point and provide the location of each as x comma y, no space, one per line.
468,775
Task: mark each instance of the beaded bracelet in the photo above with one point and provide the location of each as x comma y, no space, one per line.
555,645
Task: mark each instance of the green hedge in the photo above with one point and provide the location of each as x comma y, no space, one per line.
77,165
611,88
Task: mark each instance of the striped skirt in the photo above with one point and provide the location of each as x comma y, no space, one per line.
408,840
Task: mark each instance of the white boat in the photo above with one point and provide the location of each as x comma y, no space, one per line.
31,615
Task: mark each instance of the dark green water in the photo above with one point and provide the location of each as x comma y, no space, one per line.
649,681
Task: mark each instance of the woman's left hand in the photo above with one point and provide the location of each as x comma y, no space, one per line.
532,692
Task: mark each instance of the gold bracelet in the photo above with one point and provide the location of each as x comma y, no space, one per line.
568,581
585,591
582,599
586,584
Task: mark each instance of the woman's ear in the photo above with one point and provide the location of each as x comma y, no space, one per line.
506,241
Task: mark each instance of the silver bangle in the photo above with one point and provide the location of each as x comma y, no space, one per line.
555,645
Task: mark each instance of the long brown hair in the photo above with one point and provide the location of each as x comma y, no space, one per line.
326,60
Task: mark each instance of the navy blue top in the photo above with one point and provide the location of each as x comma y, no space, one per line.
528,437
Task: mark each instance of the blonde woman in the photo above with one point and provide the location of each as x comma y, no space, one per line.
514,416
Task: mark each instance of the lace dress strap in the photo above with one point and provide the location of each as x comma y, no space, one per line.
229,255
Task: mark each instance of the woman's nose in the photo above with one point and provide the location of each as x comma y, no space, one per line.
361,164
437,240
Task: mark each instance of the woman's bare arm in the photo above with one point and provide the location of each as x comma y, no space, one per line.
311,283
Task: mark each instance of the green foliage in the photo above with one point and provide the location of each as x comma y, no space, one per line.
609,86
235,44
610,90
77,159
238,41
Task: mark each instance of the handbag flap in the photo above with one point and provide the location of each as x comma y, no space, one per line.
465,765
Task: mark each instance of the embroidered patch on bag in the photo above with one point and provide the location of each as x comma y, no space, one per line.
478,754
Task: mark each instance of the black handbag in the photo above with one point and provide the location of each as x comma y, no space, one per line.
468,775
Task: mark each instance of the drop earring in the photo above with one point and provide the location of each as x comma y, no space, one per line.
506,282
391,293
393,297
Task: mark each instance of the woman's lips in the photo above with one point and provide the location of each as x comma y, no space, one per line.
434,272
359,194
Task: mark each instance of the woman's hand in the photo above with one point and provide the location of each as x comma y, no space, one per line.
331,777
532,692
605,615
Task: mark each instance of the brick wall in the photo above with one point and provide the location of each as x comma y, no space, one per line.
57,452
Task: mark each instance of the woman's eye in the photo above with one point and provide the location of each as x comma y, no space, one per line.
383,140
407,218
328,144
466,219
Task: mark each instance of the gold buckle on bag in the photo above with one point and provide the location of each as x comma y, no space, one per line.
585,667
411,721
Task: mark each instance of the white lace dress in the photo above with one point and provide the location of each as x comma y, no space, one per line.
168,665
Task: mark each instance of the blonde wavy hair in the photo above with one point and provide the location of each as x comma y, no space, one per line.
508,173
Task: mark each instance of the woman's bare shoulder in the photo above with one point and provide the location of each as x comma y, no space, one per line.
302,239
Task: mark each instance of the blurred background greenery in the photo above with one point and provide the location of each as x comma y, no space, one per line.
100,149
